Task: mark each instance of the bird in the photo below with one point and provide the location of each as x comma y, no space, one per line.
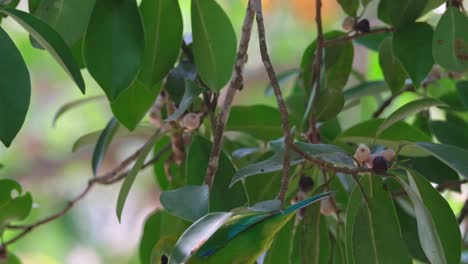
242,239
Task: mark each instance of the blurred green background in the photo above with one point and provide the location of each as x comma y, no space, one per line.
41,159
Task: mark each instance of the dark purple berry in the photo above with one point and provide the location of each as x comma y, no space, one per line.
3,253
380,164
306,184
363,26
164,259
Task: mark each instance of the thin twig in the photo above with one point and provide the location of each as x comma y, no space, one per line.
279,98
316,68
104,179
236,84
339,40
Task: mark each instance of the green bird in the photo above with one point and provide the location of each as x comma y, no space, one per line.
242,239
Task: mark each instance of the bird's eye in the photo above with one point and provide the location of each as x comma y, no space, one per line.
164,259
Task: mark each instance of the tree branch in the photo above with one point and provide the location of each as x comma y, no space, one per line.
108,178
313,134
279,98
236,84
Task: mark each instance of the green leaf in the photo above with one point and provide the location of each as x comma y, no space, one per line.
103,143
373,41
411,44
15,89
433,169
450,42
454,157
189,202
376,236
91,138
407,110
260,121
196,166
432,4
133,103
32,5
462,89
281,247
177,77
73,104
313,236
128,182
409,231
349,6
330,102
392,137
214,43
364,89
400,13
452,131
263,187
192,91
158,225
283,78
68,17
445,90
163,26
338,62
393,71
196,235
10,259
329,153
51,41
13,209
436,222
114,43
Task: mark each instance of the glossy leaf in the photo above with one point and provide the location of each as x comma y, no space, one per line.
330,153
114,43
435,219
214,43
162,179
453,156
162,20
329,104
192,91
376,236
281,247
393,71
51,41
452,131
433,169
188,202
222,197
73,104
103,143
13,208
68,17
283,78
364,89
372,41
15,89
158,225
450,42
338,63
392,137
313,236
349,6
462,89
128,182
177,77
400,13
260,121
411,44
196,235
407,110
91,138
133,103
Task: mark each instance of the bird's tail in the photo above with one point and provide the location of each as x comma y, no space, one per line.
306,202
